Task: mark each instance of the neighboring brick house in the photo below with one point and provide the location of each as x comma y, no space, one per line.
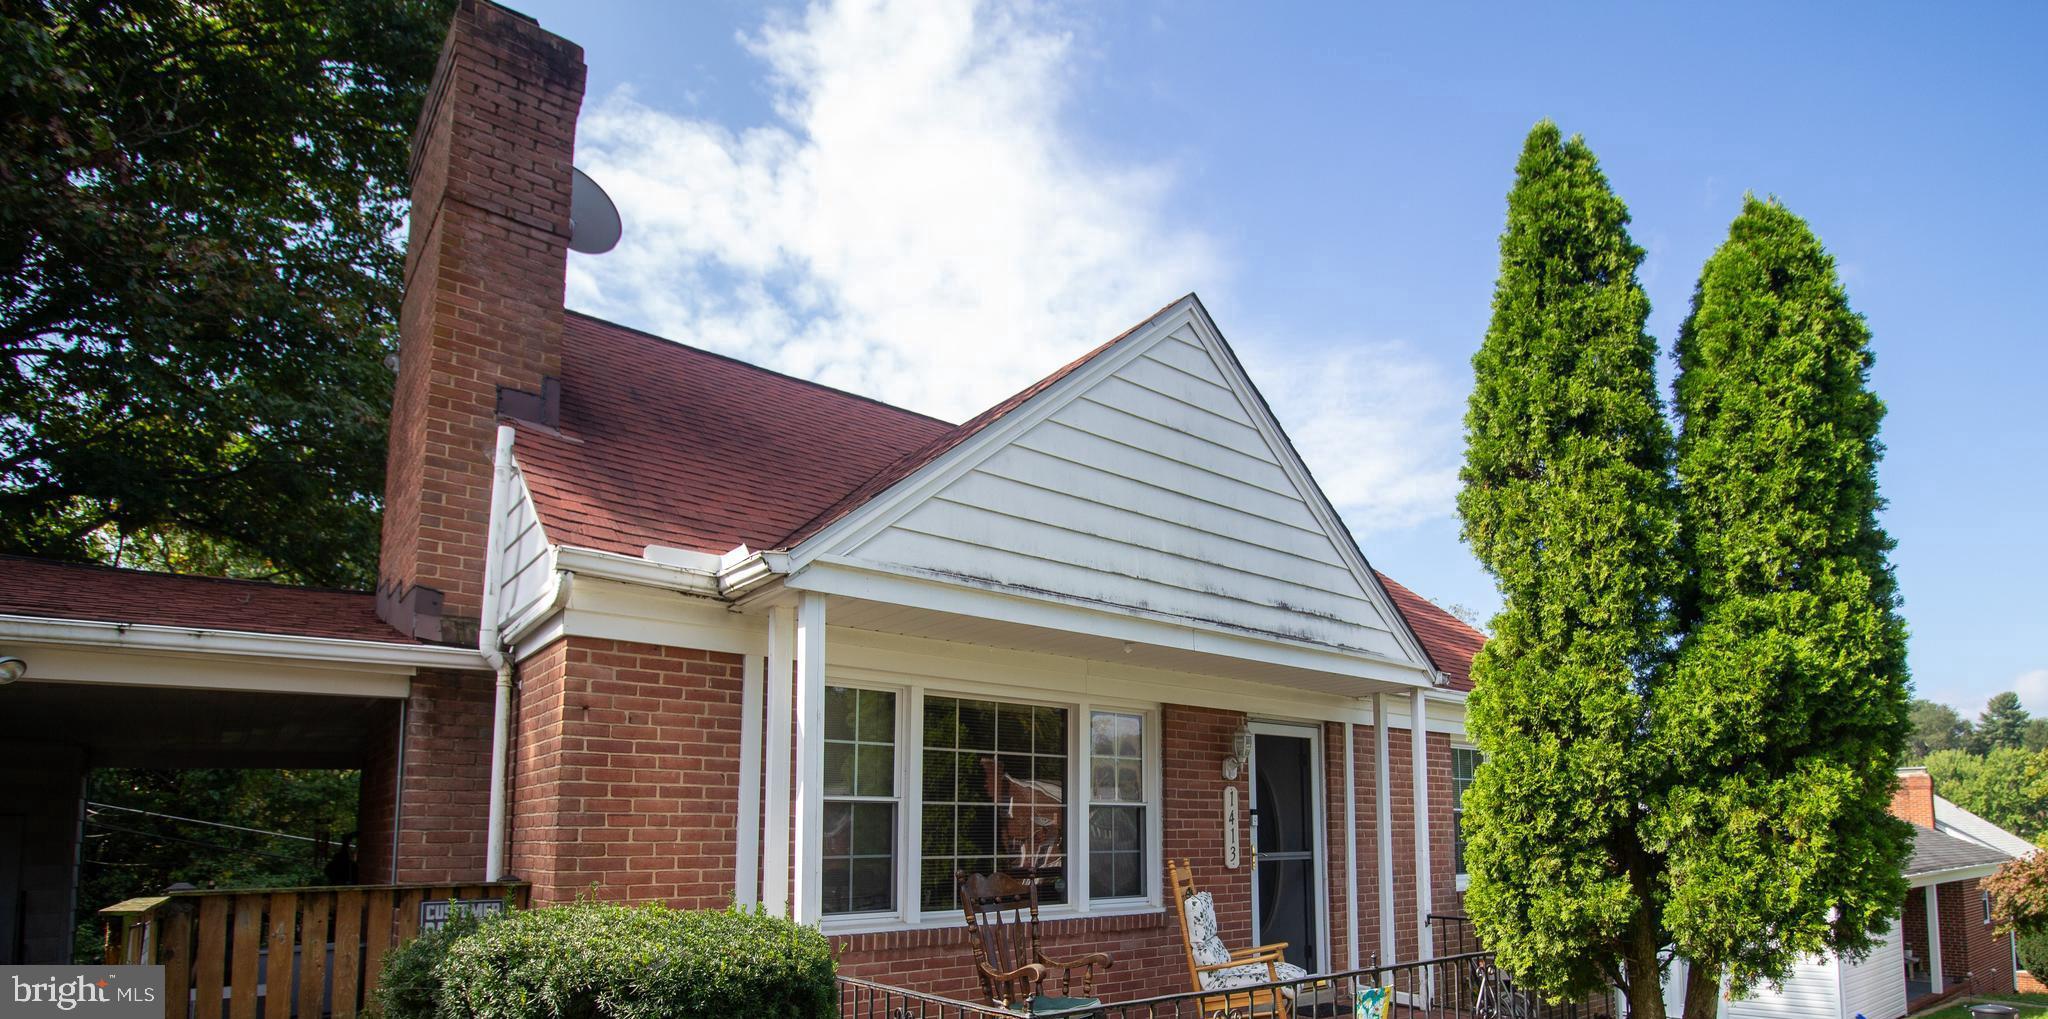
635,597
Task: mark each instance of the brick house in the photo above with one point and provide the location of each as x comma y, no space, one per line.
657,625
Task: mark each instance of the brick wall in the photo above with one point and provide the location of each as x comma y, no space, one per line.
1913,924
626,773
1989,953
445,791
377,800
485,270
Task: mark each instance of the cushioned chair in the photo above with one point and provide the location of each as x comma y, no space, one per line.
1002,927
1214,967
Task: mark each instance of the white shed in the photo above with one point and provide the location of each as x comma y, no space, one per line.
1822,987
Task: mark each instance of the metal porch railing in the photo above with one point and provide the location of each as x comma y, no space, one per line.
1464,986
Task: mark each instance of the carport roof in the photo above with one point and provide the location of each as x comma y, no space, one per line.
46,589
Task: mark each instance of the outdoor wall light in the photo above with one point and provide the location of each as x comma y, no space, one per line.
1240,752
12,669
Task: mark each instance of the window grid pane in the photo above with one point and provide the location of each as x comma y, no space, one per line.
860,813
1464,765
995,794
1116,810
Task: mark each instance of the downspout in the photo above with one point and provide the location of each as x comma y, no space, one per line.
487,644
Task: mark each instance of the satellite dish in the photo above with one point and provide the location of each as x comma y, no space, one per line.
593,219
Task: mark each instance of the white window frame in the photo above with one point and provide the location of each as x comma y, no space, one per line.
1463,878
911,692
900,800
1984,900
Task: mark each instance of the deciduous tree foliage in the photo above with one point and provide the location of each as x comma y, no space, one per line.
198,275
1568,504
2008,786
1783,716
1936,727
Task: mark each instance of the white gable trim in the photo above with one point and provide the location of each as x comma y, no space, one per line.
831,543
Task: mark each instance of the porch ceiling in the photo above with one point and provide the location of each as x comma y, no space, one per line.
885,617
125,726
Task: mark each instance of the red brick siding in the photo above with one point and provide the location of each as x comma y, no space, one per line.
444,798
485,272
376,801
1990,954
1913,799
626,773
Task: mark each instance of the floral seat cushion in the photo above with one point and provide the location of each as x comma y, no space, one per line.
1208,947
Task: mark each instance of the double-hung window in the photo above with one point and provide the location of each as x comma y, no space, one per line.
860,802
1464,766
1117,831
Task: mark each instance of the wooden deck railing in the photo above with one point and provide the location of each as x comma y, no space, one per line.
275,953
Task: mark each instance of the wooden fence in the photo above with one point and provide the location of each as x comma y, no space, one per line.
278,952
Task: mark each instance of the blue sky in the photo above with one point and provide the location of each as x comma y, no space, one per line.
935,203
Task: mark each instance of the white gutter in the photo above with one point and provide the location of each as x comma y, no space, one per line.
488,645
636,570
199,640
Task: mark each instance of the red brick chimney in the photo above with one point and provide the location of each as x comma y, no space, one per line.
1913,800
480,333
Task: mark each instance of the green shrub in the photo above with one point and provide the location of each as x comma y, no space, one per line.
603,961
408,987
2034,952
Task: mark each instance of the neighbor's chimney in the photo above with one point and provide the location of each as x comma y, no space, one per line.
1913,800
480,333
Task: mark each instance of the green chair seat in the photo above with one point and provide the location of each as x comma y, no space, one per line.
1046,1004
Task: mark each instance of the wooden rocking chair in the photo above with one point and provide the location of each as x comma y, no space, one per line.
1223,965
1002,927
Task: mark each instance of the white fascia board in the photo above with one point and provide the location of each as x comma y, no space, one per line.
326,651
636,570
855,579
1942,877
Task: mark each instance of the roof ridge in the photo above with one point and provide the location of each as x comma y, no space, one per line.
743,363
207,577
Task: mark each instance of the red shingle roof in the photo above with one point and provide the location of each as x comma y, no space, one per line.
53,590
665,444
1449,642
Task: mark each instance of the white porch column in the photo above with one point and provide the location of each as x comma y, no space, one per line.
1418,737
1350,849
1934,939
810,756
747,842
775,787
1383,826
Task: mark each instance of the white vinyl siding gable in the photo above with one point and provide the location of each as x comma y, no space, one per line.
1155,490
525,568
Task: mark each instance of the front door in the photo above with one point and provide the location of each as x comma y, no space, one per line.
1287,877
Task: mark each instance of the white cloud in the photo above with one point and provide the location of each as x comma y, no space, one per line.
2032,686
918,225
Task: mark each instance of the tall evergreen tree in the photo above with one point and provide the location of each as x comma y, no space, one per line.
1784,713
2003,725
1567,503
